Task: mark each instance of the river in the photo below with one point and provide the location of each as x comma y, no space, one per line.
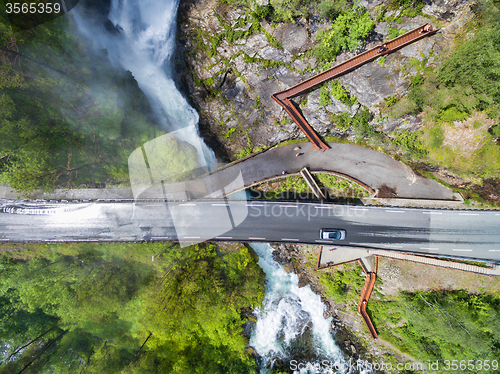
290,322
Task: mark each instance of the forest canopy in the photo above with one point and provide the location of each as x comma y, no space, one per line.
96,308
67,117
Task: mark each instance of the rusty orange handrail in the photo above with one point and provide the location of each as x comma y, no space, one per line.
363,301
351,64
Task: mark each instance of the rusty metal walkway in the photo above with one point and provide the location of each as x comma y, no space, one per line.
283,97
363,300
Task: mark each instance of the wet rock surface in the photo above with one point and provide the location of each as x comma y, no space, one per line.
344,338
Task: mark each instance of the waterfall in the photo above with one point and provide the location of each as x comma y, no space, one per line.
287,313
144,45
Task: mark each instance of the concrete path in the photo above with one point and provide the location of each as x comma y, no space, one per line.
493,271
372,168
333,255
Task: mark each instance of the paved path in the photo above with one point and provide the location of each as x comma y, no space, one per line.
370,167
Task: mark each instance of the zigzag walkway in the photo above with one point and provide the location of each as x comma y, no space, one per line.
363,300
283,97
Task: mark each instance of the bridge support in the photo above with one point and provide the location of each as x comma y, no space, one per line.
312,184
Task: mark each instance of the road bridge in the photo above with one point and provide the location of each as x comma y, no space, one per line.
454,233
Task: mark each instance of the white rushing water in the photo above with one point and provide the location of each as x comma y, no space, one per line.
144,46
286,313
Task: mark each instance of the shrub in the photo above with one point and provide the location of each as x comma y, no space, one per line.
346,33
394,33
409,142
475,64
495,130
340,93
452,114
285,10
330,9
324,97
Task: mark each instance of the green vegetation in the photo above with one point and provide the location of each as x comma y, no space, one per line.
460,103
324,96
282,188
330,9
340,187
406,8
359,123
394,33
343,285
410,143
295,184
451,325
67,117
110,309
346,32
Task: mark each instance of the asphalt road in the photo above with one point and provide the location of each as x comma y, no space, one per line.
465,234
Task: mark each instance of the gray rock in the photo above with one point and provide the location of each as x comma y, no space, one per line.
253,44
445,9
373,82
337,107
293,36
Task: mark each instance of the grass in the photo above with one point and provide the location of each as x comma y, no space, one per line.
340,187
449,325
286,188
464,148
343,284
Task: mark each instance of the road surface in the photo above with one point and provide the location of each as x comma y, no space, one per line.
465,234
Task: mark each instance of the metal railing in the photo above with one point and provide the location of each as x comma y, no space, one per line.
283,97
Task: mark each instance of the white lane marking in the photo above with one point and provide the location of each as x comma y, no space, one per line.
432,213
494,250
4,240
462,250
253,238
294,240
220,204
190,237
160,238
430,249
497,214
358,208
323,207
187,204
468,214
323,241
395,211
392,246
288,206
254,205
223,237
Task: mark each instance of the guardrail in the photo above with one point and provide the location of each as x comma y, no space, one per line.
363,301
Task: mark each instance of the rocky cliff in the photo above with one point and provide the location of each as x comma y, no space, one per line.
232,60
